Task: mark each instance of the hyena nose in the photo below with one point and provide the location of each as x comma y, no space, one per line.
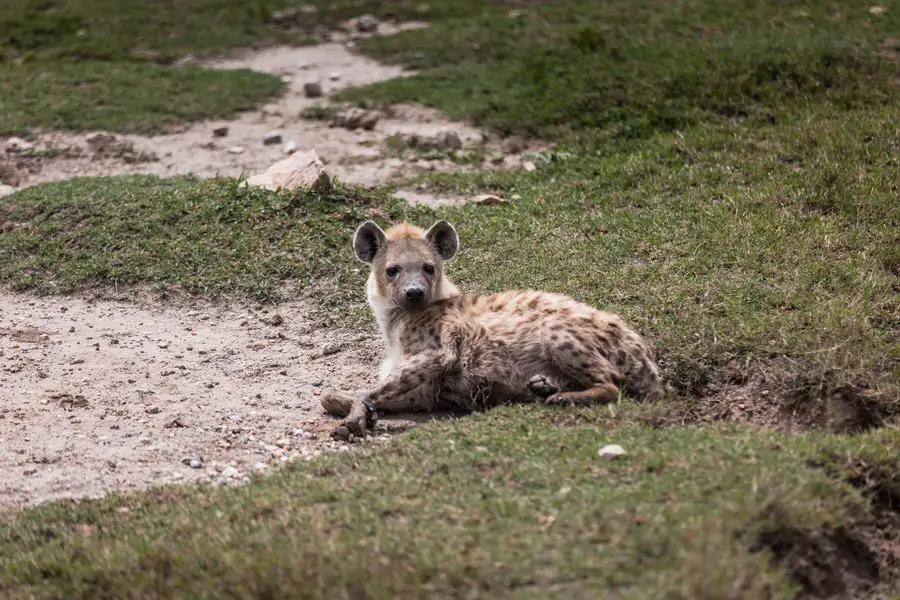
415,294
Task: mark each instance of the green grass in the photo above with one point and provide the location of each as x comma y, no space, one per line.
100,64
513,504
728,181
620,70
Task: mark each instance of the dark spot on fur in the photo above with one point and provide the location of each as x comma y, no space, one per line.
565,347
576,353
533,302
621,357
554,337
585,365
556,327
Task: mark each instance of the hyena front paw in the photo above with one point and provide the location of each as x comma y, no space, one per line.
543,386
353,428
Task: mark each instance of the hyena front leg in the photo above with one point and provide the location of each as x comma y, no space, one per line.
408,388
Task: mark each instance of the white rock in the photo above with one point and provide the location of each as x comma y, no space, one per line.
528,166
334,75
283,442
6,190
611,450
236,149
290,147
260,466
300,170
230,472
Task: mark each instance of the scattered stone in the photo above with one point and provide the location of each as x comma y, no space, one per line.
27,472
611,450
260,466
489,200
449,140
163,345
271,138
367,24
877,10
275,320
153,410
283,442
313,89
6,190
220,131
230,472
528,166
290,147
331,349
192,462
236,150
334,75
9,175
176,422
300,170
356,118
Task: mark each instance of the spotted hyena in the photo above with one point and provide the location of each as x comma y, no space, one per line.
447,349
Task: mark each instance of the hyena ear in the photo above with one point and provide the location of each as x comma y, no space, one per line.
367,240
443,237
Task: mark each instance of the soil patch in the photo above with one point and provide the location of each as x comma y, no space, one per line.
101,395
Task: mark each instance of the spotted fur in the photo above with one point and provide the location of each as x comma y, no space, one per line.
447,349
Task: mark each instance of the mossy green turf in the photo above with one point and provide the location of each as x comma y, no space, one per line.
727,180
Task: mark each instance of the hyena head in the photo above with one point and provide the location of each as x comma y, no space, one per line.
407,263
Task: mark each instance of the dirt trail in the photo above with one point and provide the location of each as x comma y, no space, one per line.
358,156
106,395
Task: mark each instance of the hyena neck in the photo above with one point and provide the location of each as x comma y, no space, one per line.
388,314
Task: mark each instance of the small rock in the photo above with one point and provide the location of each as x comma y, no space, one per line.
260,466
367,24
29,471
192,462
273,137
176,422
153,410
163,345
317,383
370,120
220,131
611,450
6,190
489,199
877,10
290,147
312,89
275,320
236,150
283,442
528,166
331,349
301,169
9,175
334,75
230,472
449,140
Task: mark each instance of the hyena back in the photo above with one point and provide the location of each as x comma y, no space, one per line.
446,349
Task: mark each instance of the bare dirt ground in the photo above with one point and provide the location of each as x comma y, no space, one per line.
100,395
359,156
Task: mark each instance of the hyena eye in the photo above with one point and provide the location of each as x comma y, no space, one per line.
393,271
428,269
